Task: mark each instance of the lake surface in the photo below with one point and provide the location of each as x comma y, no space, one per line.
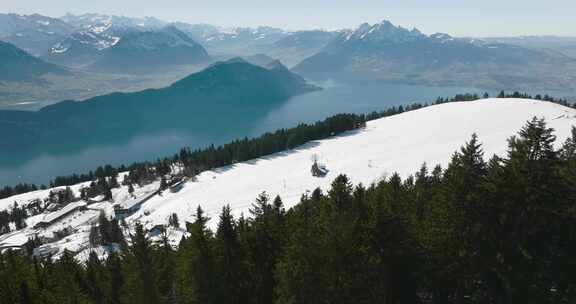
335,98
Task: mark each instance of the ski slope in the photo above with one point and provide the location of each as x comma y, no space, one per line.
400,143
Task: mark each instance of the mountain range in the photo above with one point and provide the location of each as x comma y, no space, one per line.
108,53
564,45
78,40
97,33
146,50
290,47
230,39
33,33
385,52
113,22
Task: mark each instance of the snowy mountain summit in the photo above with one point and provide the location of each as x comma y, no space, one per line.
384,31
399,143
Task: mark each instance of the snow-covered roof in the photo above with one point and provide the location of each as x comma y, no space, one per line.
49,218
124,200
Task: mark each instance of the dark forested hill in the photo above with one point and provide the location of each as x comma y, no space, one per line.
17,65
234,90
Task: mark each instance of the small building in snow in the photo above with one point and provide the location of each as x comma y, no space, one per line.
55,216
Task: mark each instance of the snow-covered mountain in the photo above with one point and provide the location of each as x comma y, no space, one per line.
100,23
385,52
95,33
290,47
235,39
384,146
79,40
149,50
80,48
33,33
122,44
384,32
299,45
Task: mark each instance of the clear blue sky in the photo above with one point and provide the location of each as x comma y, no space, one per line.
456,17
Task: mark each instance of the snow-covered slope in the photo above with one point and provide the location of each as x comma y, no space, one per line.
400,143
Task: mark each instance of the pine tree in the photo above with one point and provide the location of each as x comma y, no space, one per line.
68,271
455,214
141,283
113,183
167,275
532,183
105,228
197,260
94,236
229,260
130,189
264,242
25,297
299,269
115,279
568,151
163,184
116,234
107,193
94,279
173,220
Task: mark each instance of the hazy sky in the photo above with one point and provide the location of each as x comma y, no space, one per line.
456,17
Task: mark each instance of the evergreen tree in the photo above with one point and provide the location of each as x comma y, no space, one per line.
115,280
107,193
130,189
25,297
527,211
197,257
167,275
173,220
94,279
163,184
264,242
67,288
141,283
229,261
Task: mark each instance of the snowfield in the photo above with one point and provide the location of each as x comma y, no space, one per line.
400,143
